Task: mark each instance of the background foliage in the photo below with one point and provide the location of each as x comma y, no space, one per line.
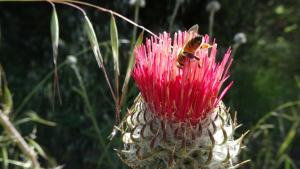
265,74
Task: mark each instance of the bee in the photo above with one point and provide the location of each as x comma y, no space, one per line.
189,48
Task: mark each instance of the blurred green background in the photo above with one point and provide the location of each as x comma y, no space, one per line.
266,91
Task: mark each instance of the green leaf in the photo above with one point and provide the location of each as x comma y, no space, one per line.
140,39
88,28
137,43
38,148
129,67
288,140
36,118
280,9
287,163
290,28
7,100
54,34
114,44
4,157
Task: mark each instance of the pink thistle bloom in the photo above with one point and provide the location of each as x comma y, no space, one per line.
179,121
180,95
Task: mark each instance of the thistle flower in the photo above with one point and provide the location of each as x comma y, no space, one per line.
240,38
142,3
213,6
179,120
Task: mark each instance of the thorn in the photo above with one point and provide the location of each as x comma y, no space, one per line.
227,158
240,164
209,156
142,131
171,159
137,153
214,127
114,132
238,126
241,139
224,135
164,131
138,117
131,118
153,139
211,138
200,129
235,119
145,117
216,117
223,121
183,142
151,127
192,131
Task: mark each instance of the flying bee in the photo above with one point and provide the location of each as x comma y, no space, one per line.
189,48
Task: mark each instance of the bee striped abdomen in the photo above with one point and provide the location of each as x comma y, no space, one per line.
193,44
188,51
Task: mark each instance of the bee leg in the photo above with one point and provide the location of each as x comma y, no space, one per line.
189,55
200,63
179,65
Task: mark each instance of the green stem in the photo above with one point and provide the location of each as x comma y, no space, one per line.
234,49
173,16
89,107
211,24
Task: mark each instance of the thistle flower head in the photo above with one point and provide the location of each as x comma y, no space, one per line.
180,95
240,38
213,6
179,121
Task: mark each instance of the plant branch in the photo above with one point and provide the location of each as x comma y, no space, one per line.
110,12
21,143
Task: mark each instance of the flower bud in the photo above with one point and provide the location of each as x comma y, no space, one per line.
240,38
213,6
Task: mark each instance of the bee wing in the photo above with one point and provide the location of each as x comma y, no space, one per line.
194,29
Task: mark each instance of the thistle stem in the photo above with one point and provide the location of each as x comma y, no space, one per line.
173,16
211,24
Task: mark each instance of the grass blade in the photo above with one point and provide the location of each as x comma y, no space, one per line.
288,140
38,148
7,100
129,68
54,28
114,44
4,157
36,118
88,27
115,51
5,94
54,34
